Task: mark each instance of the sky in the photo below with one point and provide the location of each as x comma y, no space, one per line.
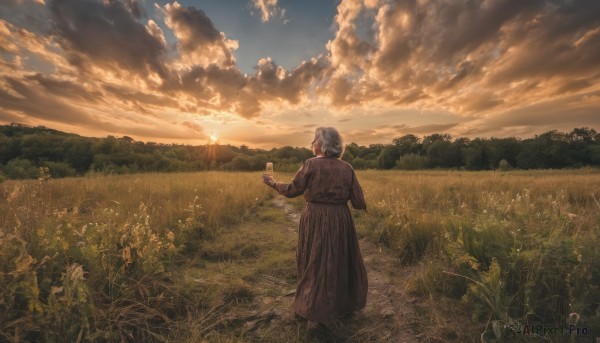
266,73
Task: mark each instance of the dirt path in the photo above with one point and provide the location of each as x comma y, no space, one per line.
389,315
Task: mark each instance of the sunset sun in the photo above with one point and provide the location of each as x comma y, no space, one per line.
213,138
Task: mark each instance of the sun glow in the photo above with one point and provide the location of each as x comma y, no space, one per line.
214,138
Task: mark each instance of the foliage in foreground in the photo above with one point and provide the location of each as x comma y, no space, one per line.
517,248
98,258
94,258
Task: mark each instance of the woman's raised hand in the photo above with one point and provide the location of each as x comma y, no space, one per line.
267,179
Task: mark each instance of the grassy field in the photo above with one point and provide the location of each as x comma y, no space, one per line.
518,247
181,257
98,258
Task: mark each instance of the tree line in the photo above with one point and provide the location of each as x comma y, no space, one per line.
27,152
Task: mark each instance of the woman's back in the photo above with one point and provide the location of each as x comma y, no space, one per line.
330,181
325,180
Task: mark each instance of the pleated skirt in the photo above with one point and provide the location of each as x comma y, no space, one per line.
331,274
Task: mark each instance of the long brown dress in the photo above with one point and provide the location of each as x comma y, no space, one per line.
332,279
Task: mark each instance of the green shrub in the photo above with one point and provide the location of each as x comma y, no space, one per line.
20,168
488,294
503,165
60,169
361,163
412,162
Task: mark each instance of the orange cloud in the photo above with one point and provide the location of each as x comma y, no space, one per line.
268,9
464,56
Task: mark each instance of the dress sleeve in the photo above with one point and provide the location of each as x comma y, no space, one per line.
298,185
357,197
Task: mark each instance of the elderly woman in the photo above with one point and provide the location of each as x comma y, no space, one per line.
332,279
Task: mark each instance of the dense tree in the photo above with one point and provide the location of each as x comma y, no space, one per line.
24,149
354,149
505,149
408,144
428,140
347,156
10,148
286,152
442,153
528,156
472,158
78,154
594,150
580,145
387,157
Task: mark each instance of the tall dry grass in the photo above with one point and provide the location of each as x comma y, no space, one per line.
96,258
91,258
515,247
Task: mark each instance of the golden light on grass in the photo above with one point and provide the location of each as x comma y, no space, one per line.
486,244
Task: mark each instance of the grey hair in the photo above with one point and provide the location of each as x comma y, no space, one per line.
331,141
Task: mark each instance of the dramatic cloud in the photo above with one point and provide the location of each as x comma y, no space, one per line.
34,101
19,45
543,116
268,9
106,34
6,43
197,38
391,67
466,56
274,81
349,52
227,89
218,89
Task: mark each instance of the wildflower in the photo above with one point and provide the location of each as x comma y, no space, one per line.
23,263
75,272
126,254
170,235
